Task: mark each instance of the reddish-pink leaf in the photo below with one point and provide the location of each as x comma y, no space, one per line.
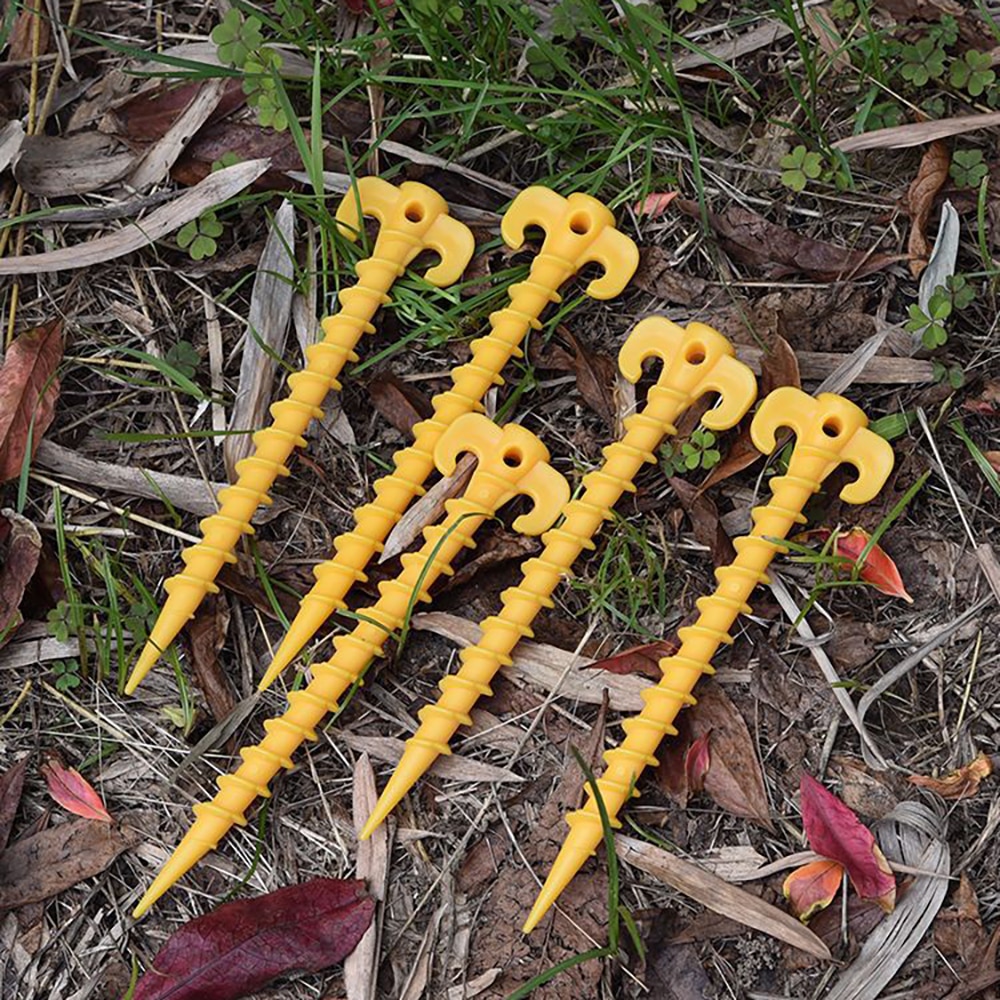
643,660
878,569
239,947
812,887
835,832
72,791
697,761
960,784
654,205
28,392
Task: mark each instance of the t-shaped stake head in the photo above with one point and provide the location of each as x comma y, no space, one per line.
512,454
414,211
831,425
696,360
579,230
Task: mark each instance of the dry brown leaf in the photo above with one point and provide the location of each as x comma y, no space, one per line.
56,166
49,862
958,930
705,522
830,40
931,177
643,660
752,239
267,330
28,393
916,134
206,634
657,276
212,191
31,23
498,548
20,549
399,402
595,375
734,778
717,895
11,785
163,154
778,367
148,115
962,783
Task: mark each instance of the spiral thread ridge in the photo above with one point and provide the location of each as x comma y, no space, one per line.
680,672
258,472
540,575
414,464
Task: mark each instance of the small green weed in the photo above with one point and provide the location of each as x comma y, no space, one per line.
967,168
922,61
199,235
973,72
699,452
184,358
931,324
799,167
67,675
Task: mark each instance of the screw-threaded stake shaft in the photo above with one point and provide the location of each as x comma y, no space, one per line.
493,484
812,460
695,360
579,229
404,234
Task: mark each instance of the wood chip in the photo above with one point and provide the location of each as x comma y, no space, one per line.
817,365
454,768
719,896
267,330
183,492
212,191
916,134
55,166
428,509
361,966
542,665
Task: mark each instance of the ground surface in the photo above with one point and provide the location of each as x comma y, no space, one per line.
737,109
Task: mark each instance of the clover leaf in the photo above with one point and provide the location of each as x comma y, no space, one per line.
799,167
973,72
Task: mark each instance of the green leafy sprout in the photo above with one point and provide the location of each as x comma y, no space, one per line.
931,324
922,61
699,452
799,167
199,235
973,73
967,168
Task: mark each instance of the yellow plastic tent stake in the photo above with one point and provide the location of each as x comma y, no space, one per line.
412,218
829,430
512,461
579,230
696,360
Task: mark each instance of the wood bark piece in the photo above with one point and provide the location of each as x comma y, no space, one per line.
818,365
184,492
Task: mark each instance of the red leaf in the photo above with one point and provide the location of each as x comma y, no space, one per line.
960,784
72,791
835,832
239,947
643,660
697,761
28,392
654,205
878,569
812,887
